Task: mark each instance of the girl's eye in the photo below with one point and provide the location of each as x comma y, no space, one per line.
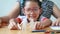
35,9
28,9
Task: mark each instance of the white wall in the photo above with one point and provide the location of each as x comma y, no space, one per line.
5,6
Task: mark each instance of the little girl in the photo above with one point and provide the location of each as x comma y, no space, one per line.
32,10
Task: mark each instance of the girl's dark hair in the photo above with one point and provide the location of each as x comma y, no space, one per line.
24,1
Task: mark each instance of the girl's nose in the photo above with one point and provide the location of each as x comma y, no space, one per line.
32,12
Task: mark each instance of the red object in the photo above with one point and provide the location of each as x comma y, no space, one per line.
43,19
48,32
19,20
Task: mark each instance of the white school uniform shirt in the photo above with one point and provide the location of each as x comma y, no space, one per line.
24,21
24,18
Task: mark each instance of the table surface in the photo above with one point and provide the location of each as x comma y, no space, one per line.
28,30
5,30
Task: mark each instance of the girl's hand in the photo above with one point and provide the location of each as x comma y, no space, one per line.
14,25
39,26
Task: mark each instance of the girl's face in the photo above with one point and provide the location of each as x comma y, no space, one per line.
32,10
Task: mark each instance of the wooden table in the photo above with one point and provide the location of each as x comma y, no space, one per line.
28,30
5,30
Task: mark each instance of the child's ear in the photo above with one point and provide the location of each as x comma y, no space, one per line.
40,10
23,10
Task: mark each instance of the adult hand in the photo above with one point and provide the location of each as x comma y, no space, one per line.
13,25
56,23
0,22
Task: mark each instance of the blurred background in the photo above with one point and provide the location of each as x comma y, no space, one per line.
7,5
